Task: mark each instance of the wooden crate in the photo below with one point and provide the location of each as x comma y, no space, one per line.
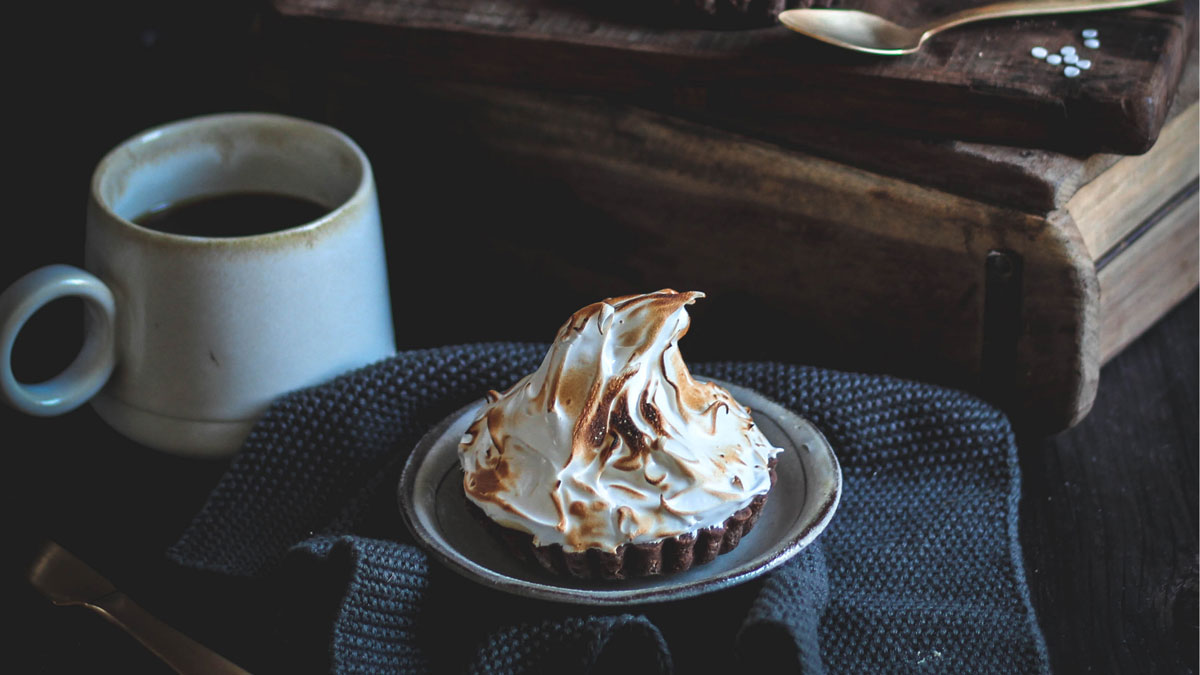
1011,272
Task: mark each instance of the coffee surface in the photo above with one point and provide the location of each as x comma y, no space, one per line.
237,214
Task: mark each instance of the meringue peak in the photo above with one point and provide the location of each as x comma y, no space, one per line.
612,420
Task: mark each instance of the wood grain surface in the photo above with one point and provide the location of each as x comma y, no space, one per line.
1029,179
1109,206
1110,515
1158,270
976,82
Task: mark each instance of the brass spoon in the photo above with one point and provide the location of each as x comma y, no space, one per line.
67,580
866,32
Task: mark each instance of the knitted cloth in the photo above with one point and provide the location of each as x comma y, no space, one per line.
920,568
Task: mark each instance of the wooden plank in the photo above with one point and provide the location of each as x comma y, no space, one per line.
1111,205
1029,179
1151,276
978,82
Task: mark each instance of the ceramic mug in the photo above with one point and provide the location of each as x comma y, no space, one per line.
187,339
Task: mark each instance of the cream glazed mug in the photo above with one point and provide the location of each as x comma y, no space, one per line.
187,339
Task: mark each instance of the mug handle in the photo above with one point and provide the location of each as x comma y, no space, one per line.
92,366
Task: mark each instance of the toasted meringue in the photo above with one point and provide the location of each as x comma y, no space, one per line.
611,441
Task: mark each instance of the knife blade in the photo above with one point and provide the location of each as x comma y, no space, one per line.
67,580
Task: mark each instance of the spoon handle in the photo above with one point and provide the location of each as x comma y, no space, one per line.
1028,8
180,652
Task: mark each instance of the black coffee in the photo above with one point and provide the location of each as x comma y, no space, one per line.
236,214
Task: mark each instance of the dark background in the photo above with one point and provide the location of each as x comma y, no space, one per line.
1109,508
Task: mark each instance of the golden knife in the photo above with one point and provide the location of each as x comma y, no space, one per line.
67,580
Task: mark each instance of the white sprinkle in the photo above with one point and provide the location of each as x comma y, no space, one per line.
1083,64
1039,52
1070,58
1067,50
1070,71
1054,59
1091,43
1090,33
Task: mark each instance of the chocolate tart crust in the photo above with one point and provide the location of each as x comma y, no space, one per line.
629,561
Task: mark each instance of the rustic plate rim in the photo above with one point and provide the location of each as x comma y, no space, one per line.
802,533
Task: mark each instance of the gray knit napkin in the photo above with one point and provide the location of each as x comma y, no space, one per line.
920,570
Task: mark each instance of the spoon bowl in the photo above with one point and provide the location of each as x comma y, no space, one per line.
852,29
866,32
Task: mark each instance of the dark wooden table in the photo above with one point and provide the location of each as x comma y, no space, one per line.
1109,508
1108,514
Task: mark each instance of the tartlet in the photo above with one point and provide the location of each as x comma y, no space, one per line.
610,461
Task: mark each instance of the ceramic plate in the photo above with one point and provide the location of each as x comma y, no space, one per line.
804,498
